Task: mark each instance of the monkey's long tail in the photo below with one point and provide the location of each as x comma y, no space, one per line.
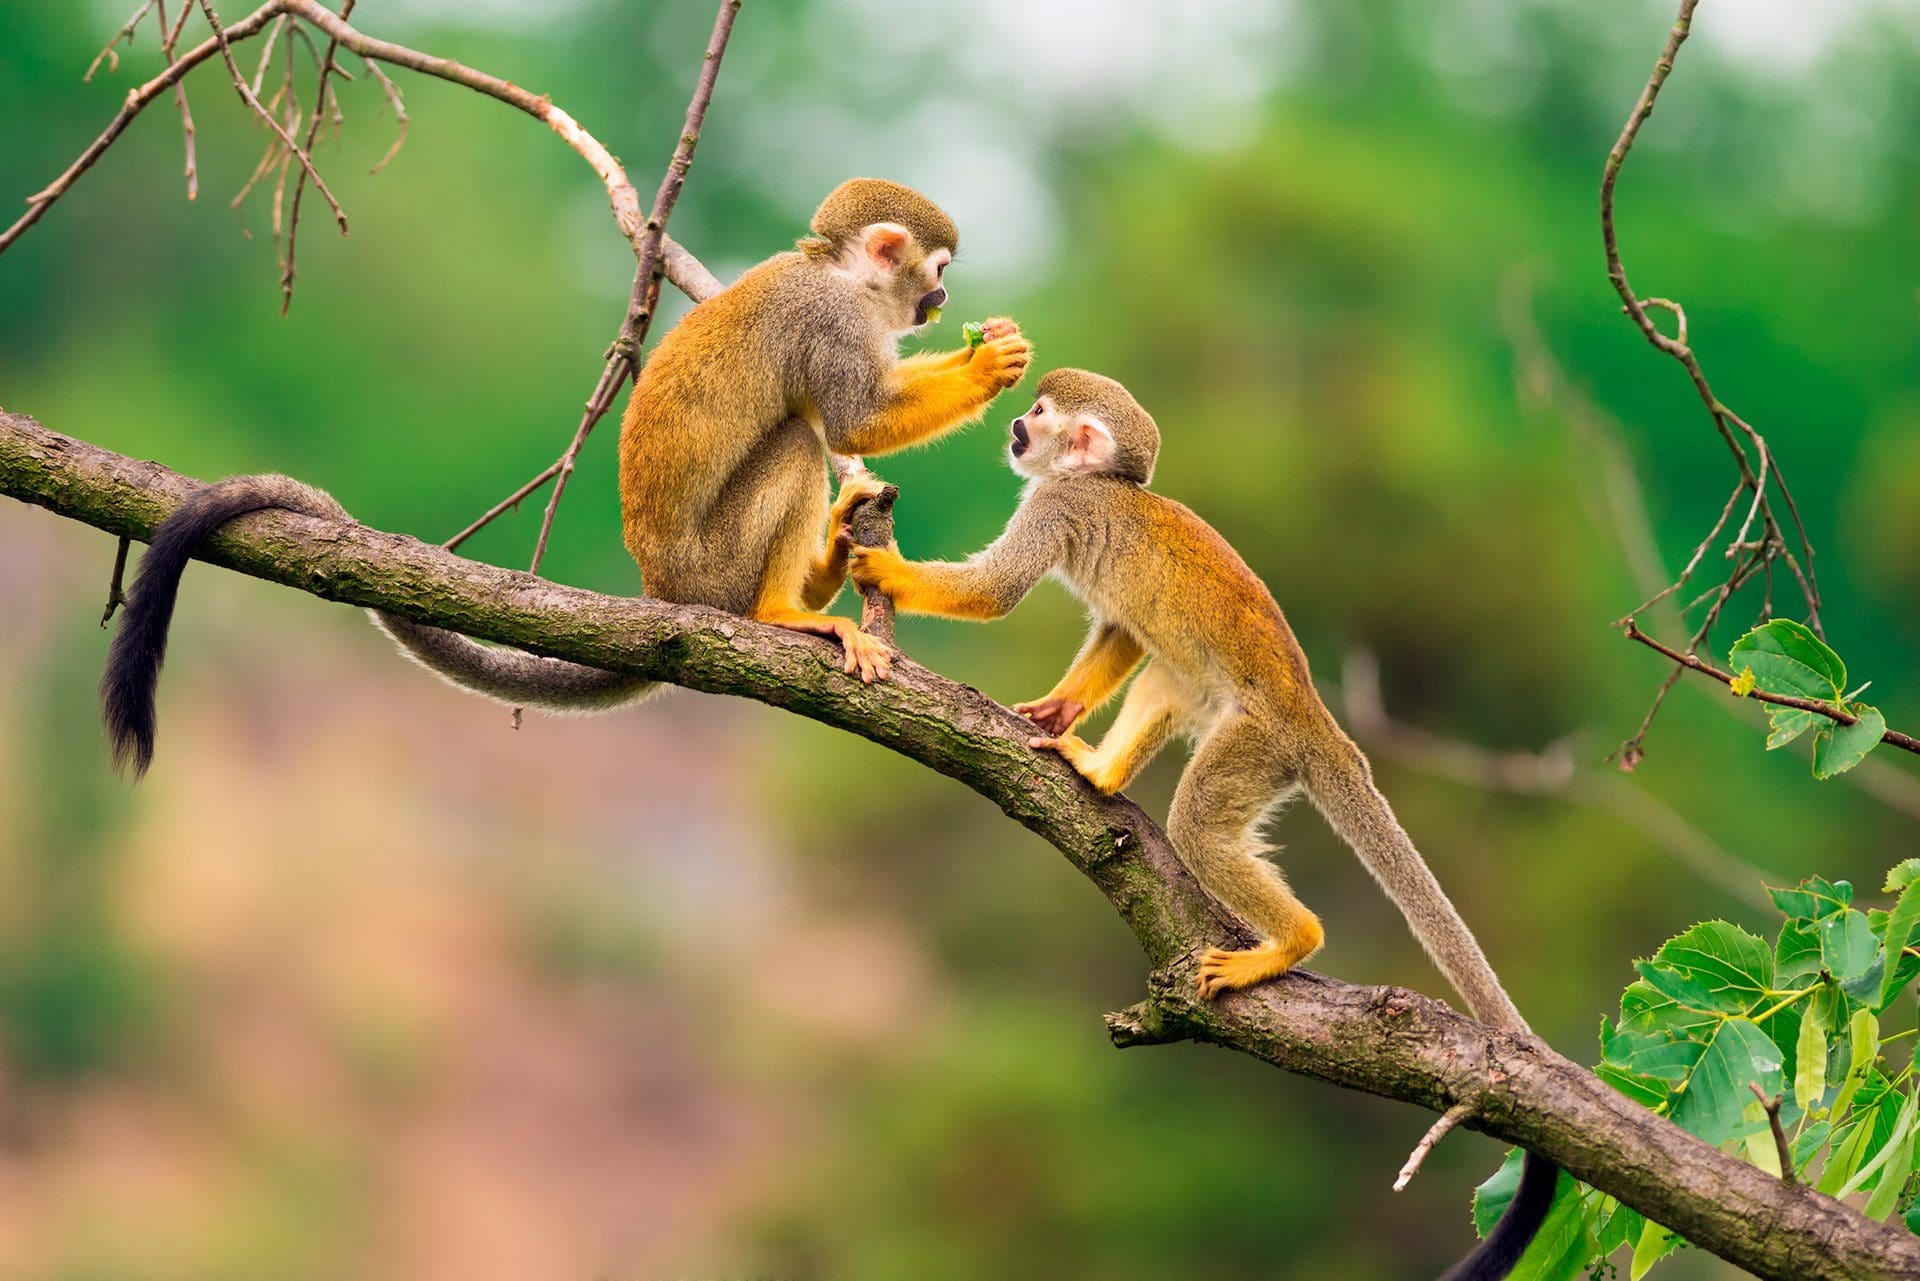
139,646
1340,782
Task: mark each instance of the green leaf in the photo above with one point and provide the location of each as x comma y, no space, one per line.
1810,1061
1714,1095
1846,1158
1491,1198
1717,965
1814,898
974,332
1838,748
1620,1224
1893,1177
1565,1244
1903,932
1784,724
1787,658
1797,954
1655,1244
1758,1140
1913,1218
1847,945
1901,875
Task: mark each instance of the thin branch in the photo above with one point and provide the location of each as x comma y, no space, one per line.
1693,662
1385,1041
287,268
116,586
125,33
626,356
252,99
1782,1148
1428,1141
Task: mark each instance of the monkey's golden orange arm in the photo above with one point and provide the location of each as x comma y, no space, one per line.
928,587
933,362
924,400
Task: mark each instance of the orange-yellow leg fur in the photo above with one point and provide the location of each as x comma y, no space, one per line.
1102,664
1145,722
829,569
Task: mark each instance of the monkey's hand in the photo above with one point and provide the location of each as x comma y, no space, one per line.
1052,714
854,490
998,327
881,567
1001,360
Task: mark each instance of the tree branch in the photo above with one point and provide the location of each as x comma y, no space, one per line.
1385,1041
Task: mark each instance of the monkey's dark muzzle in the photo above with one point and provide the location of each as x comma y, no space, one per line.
1020,440
932,302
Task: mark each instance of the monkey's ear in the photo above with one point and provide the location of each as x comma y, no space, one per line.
884,243
1090,445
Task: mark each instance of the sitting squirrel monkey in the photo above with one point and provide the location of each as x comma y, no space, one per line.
723,459
1221,666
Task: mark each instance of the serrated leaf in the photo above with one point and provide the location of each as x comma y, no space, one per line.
1619,1225
1838,748
1893,1177
1564,1245
1648,1092
1903,932
1732,968
1796,955
1901,875
1713,1096
1810,1060
1655,1244
1784,724
1787,658
1491,1198
1847,945
1813,899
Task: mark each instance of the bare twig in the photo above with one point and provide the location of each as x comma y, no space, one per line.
168,43
125,33
1386,1041
287,268
1752,557
625,358
1781,1146
116,591
1435,1132
252,99
400,118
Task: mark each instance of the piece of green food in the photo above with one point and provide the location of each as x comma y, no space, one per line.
974,332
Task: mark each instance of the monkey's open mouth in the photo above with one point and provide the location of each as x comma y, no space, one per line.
1019,438
929,308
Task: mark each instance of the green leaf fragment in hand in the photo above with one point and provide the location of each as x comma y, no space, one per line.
974,332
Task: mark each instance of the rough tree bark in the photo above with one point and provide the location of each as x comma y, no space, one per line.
1385,1041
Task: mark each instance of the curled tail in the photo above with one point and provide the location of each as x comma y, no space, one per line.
139,646
1340,782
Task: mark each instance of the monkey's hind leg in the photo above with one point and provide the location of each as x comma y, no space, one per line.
1154,705
1233,781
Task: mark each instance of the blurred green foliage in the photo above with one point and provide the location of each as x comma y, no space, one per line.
1305,288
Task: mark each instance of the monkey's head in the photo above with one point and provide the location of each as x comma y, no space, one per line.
1084,424
891,238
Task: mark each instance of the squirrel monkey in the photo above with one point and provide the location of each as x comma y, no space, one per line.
723,459
1223,667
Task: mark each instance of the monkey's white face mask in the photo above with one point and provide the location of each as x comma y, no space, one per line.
888,260
1049,442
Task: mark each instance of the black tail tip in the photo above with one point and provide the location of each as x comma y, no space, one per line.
130,728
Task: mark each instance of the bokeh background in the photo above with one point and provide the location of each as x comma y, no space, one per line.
363,983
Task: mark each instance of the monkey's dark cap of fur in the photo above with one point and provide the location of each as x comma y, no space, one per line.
861,202
1136,437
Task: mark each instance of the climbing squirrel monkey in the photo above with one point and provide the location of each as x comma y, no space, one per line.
1222,666
723,458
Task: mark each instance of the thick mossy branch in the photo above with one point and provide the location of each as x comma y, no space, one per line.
1385,1041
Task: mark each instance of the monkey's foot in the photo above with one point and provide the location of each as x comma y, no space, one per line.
868,656
857,488
1224,971
1079,753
